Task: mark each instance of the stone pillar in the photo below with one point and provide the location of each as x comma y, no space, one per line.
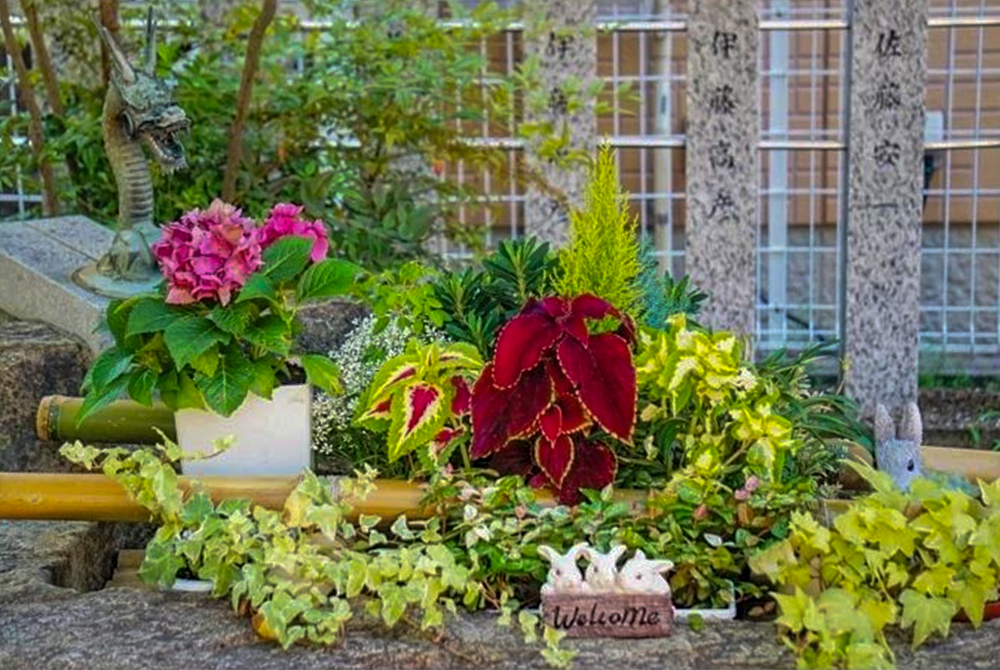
560,34
723,121
888,69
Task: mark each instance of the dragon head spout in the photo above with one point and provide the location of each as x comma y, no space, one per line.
149,112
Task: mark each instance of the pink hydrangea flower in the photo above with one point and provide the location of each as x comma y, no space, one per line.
285,219
207,255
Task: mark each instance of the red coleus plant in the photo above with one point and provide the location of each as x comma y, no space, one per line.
550,381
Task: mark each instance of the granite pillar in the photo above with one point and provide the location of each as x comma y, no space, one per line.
888,70
723,121
560,35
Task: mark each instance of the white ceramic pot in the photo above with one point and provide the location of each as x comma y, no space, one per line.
273,437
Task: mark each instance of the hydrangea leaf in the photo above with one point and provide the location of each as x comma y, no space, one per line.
502,414
604,373
418,414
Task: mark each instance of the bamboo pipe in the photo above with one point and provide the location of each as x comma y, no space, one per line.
122,421
87,497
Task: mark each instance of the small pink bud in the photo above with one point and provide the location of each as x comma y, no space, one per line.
701,513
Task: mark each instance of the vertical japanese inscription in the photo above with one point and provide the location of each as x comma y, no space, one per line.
723,126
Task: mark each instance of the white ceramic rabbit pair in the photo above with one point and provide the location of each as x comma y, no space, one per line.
638,575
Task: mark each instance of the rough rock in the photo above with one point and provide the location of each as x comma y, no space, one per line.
327,324
35,360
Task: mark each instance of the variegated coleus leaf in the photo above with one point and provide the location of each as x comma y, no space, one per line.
419,412
500,415
594,467
555,457
461,356
604,375
373,406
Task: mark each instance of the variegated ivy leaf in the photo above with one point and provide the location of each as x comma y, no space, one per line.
418,413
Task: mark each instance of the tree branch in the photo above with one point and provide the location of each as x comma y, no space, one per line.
30,10
50,200
250,64
108,10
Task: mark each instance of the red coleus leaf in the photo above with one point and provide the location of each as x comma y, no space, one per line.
538,480
461,404
592,307
551,423
573,414
420,399
502,414
554,457
521,344
605,377
556,307
515,458
594,467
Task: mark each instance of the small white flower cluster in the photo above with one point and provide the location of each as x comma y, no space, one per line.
358,359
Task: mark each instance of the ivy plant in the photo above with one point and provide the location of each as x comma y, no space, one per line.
301,572
913,559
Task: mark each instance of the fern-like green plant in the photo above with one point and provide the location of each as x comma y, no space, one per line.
603,255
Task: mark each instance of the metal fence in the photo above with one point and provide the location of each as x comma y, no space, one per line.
802,184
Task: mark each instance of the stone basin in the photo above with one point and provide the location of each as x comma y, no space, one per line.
55,614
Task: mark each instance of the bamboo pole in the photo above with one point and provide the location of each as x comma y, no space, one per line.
94,497
122,421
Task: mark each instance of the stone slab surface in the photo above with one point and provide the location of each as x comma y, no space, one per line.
37,261
889,43
43,625
722,129
560,34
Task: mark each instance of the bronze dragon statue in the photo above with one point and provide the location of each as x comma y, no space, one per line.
139,109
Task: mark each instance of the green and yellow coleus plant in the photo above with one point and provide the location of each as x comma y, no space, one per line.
916,559
421,396
701,392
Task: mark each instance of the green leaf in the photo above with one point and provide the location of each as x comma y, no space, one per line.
206,362
322,373
393,603
151,315
97,399
256,286
226,390
189,337
109,366
286,258
264,379
926,614
233,319
326,279
188,396
160,565
270,333
141,385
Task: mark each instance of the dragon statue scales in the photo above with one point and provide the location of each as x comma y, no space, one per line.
139,109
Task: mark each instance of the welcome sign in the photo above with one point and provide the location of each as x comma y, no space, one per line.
609,614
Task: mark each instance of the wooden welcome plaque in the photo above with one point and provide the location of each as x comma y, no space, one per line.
609,614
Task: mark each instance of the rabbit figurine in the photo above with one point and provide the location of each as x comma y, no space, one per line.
899,456
642,575
564,574
602,573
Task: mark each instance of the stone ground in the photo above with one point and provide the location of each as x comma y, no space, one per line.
54,614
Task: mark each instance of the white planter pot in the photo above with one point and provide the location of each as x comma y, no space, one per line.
273,437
